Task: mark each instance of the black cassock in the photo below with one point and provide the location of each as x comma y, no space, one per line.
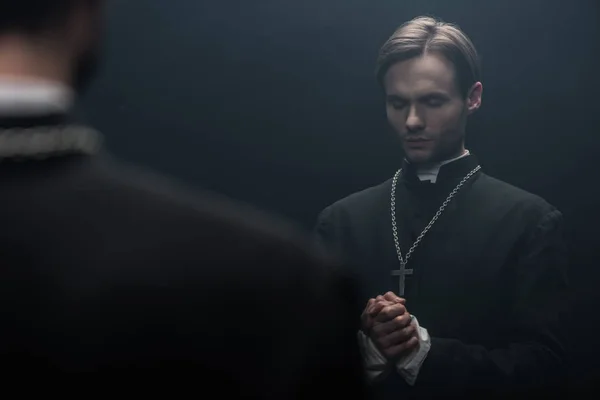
489,280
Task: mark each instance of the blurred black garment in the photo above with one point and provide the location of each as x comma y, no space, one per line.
122,279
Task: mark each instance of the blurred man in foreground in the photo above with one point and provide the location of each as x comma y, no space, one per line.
121,276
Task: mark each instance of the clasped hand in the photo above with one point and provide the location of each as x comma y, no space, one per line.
390,326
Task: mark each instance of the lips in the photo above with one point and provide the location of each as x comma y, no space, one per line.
417,144
417,140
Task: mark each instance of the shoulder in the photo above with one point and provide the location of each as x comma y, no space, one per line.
153,216
213,219
254,251
515,199
365,201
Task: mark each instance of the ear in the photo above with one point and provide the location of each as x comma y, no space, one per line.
83,23
474,98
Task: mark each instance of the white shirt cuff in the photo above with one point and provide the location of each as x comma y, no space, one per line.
375,363
408,367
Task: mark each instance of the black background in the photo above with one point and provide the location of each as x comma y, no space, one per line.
274,102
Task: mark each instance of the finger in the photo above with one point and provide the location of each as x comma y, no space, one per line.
366,319
402,349
369,305
365,313
395,324
390,296
397,337
377,307
390,312
386,302
403,321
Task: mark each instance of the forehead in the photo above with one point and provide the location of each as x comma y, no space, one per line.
421,75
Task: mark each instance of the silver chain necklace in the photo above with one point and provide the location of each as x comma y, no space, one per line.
403,272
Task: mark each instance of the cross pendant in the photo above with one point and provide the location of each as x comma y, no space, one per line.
402,273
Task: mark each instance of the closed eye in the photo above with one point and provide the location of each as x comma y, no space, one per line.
434,101
398,105
396,102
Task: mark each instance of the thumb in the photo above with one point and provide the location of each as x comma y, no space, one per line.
390,296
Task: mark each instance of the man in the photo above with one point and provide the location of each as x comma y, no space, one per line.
112,276
464,275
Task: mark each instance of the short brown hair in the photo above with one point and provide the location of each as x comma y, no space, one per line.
427,34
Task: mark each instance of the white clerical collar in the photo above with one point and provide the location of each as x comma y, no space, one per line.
31,97
430,172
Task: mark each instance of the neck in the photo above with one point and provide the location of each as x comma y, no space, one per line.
23,58
430,171
442,160
452,157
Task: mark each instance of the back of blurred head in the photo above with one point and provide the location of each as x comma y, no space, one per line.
56,40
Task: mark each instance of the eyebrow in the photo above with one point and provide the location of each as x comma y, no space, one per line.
424,96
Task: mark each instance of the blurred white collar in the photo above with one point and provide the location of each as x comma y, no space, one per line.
31,97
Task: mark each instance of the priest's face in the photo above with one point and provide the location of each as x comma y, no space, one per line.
425,107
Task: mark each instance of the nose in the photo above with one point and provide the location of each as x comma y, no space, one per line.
414,122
